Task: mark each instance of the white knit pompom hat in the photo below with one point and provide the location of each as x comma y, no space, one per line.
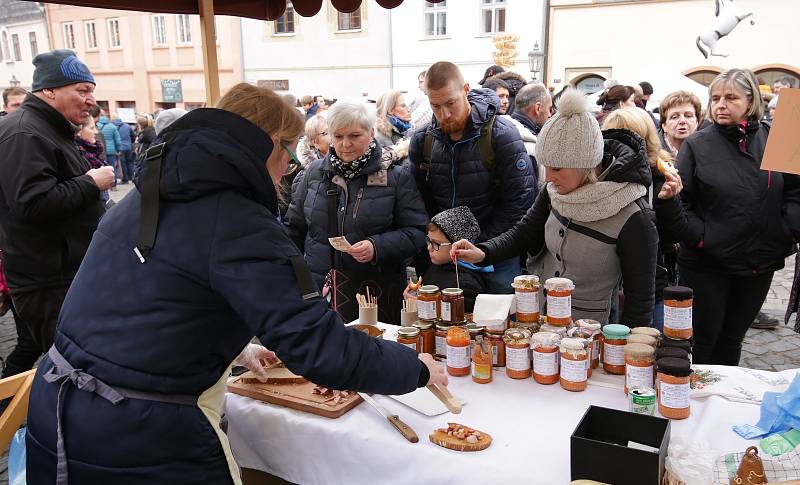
571,138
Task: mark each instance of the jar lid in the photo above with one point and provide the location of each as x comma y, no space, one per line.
674,367
587,323
532,327
650,331
516,335
678,293
679,343
546,338
546,327
474,329
443,326
572,345
429,289
408,332
453,291
580,332
559,284
675,352
638,338
640,351
526,282
616,331
423,325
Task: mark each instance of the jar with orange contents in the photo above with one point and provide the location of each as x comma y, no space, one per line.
574,358
518,353
427,336
597,338
409,336
441,340
585,335
639,366
498,347
482,361
452,306
458,358
615,337
674,376
526,292
545,357
678,302
429,303
559,301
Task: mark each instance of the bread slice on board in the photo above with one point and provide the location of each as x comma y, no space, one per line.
275,375
451,439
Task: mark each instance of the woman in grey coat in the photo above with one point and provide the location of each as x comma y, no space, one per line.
590,225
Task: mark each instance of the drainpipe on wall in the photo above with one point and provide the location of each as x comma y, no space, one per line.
546,37
391,52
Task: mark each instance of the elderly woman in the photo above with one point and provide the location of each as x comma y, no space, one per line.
591,206
742,220
393,122
314,145
355,194
680,116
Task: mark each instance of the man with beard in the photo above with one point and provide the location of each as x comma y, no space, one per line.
533,107
469,156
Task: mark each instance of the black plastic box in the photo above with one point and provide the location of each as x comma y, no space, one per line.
599,447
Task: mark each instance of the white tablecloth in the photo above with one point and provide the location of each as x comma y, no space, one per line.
531,425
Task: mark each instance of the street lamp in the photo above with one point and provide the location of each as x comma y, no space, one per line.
14,81
535,58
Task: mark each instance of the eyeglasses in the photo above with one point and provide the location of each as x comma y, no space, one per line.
323,133
435,244
294,164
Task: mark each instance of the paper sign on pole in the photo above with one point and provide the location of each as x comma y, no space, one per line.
127,115
783,146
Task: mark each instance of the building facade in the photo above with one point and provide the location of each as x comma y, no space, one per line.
145,61
363,54
23,35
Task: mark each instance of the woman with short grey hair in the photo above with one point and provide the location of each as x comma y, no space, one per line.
742,219
371,205
316,141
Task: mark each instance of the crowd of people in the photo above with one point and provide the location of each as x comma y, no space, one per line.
229,236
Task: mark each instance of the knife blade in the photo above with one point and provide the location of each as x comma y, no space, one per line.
393,419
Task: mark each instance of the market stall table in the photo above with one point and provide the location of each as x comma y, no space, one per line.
531,425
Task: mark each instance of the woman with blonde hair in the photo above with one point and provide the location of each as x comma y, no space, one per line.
179,277
314,145
393,120
742,220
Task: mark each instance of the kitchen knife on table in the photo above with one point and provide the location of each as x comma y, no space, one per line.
393,419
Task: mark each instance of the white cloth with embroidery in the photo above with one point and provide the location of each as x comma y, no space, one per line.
737,383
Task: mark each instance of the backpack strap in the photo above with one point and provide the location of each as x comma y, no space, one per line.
427,150
151,195
485,145
332,194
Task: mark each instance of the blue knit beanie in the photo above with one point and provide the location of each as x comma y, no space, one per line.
59,68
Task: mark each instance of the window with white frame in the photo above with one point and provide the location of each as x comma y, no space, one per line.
5,47
435,19
69,35
159,30
350,21
34,44
15,45
285,23
493,16
90,30
114,39
184,29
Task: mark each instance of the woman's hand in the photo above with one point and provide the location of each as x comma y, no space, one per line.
362,251
673,184
256,357
437,371
466,251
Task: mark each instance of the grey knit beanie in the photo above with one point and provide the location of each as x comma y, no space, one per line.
167,117
571,138
458,223
59,68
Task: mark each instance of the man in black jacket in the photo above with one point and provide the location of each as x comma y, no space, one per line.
50,198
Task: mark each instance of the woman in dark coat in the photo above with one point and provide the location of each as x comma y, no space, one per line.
135,380
372,203
742,220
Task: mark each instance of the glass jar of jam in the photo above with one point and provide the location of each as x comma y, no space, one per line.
559,301
409,336
427,336
498,347
526,292
441,340
453,306
597,338
586,336
615,337
678,302
474,331
458,358
428,303
482,361
545,357
574,358
639,366
518,353
674,377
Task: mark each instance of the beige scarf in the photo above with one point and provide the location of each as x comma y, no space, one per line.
595,202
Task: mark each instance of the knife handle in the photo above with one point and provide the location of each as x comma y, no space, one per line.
444,395
403,428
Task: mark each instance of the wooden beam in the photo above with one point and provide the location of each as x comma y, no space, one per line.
209,46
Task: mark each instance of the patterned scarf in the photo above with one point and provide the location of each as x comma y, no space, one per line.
93,153
348,170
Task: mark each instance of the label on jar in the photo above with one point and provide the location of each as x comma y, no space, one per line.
573,370
677,318
595,349
458,357
675,396
545,363
494,355
441,345
426,310
559,306
411,346
517,359
613,354
527,302
446,311
636,376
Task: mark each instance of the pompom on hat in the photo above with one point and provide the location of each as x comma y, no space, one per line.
572,137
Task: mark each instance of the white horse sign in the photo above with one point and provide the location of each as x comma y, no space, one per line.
728,17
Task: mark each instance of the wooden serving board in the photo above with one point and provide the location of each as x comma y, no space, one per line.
295,396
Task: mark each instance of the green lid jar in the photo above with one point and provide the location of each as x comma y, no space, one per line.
616,331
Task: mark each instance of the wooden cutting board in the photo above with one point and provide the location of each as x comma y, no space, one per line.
293,395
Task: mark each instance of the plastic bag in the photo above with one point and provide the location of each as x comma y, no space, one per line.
691,462
17,459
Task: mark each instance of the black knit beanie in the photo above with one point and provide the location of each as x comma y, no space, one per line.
59,68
